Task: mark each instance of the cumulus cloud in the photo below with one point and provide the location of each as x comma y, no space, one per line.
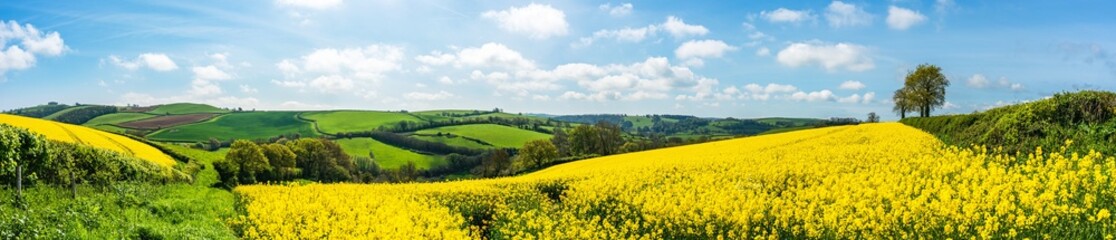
537,21
154,61
763,52
21,44
425,96
204,80
333,70
902,19
679,29
832,57
309,4
698,49
783,15
841,14
857,98
620,10
852,85
674,26
815,96
703,49
979,81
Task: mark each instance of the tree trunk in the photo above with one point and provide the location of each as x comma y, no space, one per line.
902,115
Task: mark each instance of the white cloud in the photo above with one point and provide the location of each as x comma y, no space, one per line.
673,26
868,97
210,73
823,95
493,55
296,105
852,85
703,49
783,15
32,42
841,14
763,93
204,78
679,29
537,21
331,83
424,96
944,6
763,52
341,70
309,4
902,19
855,98
620,10
436,58
832,57
248,89
978,81
154,61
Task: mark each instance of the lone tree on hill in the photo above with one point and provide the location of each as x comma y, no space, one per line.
923,91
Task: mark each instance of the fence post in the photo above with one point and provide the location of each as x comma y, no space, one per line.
73,186
19,183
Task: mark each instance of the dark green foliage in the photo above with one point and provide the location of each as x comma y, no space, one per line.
39,111
408,142
50,162
1085,117
82,114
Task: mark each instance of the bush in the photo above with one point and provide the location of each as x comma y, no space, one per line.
1086,117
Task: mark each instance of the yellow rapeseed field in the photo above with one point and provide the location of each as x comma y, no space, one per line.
869,181
79,134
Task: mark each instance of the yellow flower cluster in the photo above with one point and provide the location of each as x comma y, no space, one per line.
79,134
868,181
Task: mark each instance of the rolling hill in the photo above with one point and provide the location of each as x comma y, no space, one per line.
496,135
83,135
238,125
333,122
388,156
185,108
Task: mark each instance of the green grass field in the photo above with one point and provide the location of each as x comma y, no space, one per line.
454,141
242,125
352,121
388,156
126,210
497,135
117,118
186,108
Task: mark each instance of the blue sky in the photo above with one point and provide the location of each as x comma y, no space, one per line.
717,59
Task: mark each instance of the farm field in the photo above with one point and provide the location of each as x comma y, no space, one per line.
870,181
453,141
117,118
388,156
185,108
161,122
497,135
241,125
64,111
88,136
353,121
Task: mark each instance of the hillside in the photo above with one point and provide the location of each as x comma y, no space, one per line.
1087,117
87,136
185,108
864,181
333,122
495,135
239,125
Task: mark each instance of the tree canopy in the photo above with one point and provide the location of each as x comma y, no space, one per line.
923,91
